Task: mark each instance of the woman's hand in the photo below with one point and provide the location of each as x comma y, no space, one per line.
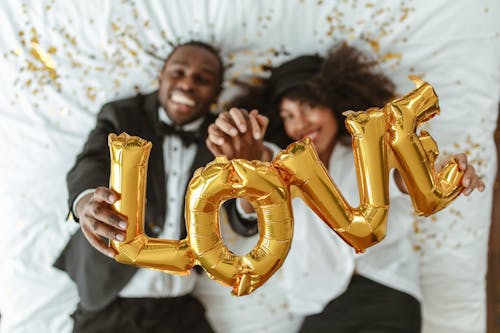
471,180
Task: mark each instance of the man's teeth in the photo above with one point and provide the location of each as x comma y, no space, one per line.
178,97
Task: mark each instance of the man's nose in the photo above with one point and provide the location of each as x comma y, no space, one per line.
186,83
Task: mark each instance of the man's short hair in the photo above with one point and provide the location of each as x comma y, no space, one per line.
210,48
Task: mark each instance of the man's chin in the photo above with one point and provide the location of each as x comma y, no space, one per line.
181,108
182,115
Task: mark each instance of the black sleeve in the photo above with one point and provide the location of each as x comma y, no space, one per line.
240,225
91,168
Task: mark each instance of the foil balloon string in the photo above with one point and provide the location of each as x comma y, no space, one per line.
382,139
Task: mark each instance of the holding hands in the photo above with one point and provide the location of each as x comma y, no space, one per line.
239,134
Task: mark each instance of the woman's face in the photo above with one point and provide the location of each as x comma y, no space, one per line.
300,120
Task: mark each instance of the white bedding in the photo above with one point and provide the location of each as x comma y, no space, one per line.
102,50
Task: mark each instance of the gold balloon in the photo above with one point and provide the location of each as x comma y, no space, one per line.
383,138
359,227
415,155
262,185
129,165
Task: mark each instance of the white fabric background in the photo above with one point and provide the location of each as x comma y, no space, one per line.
102,50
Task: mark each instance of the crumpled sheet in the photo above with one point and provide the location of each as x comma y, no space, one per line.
61,60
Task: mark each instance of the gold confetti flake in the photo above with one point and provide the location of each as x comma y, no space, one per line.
375,45
115,27
406,11
392,55
91,93
37,52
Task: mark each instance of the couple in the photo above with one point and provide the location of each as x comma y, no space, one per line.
374,292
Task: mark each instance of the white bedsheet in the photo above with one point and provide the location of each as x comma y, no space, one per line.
102,50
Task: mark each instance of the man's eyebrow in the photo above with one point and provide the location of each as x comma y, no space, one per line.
206,69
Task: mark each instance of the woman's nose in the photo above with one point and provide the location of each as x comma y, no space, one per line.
301,122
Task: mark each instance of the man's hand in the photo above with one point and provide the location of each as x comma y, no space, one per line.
239,134
98,219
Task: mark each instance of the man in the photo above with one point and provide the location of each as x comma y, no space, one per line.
116,297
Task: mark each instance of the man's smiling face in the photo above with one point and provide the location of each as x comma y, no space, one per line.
189,83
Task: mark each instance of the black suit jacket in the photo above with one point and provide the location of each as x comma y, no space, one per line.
99,278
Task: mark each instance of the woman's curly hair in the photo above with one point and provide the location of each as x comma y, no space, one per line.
346,79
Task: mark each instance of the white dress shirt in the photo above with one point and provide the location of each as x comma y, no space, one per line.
320,264
178,160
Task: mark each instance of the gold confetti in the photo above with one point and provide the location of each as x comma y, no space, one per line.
91,93
115,27
37,52
375,45
392,55
406,11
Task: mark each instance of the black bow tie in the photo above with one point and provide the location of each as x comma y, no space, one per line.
187,137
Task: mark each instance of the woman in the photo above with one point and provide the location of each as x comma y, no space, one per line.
338,290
